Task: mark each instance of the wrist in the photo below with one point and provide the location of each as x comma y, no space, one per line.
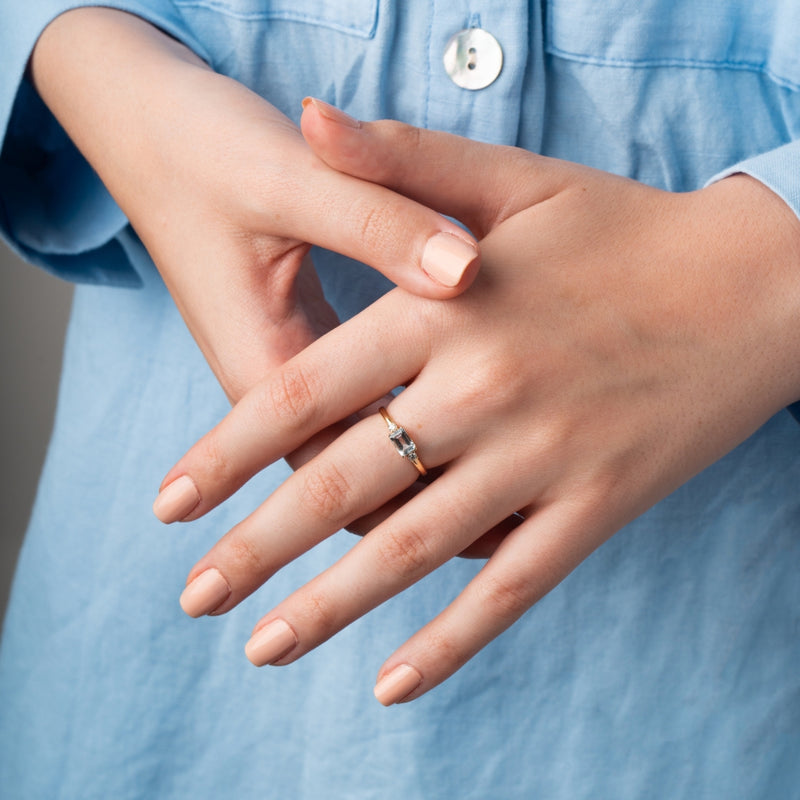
753,238
106,76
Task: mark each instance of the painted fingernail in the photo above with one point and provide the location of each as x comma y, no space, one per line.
176,500
206,593
397,684
331,112
446,258
271,643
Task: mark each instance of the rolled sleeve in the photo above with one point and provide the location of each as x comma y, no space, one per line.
779,169
54,210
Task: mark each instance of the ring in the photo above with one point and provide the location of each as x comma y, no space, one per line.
402,441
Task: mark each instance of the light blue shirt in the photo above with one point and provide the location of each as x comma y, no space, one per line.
665,666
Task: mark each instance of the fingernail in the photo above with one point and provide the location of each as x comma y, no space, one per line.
331,112
399,683
270,643
206,593
175,501
446,258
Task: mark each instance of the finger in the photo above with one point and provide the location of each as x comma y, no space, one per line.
481,548
477,183
412,245
432,528
294,403
356,474
314,446
528,564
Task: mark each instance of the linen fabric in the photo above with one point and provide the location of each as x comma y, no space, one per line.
665,666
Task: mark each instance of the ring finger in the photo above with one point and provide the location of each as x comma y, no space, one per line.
356,474
429,530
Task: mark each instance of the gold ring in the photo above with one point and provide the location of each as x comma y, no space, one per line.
402,441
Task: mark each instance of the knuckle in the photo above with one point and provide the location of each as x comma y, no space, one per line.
290,397
374,227
504,599
410,136
447,647
217,466
326,492
244,557
404,553
321,613
492,387
405,138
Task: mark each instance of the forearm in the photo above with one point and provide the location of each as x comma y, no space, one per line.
122,90
155,123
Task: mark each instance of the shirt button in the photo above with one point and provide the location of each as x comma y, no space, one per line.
473,58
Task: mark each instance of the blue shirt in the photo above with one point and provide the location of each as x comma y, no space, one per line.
665,666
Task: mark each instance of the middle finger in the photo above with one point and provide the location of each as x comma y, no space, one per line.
355,475
433,527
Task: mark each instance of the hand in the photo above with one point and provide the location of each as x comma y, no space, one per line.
226,195
617,340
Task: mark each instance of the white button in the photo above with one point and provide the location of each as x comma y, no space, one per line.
473,58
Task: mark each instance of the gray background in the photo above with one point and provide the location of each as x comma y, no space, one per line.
34,308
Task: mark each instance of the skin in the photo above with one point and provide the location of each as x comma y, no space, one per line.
228,229
662,327
182,151
618,340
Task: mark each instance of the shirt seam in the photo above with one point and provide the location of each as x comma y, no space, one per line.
288,16
428,45
688,63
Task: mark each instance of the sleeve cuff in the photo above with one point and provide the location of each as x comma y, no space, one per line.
54,210
778,169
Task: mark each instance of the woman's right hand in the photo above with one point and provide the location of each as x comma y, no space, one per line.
226,195
618,340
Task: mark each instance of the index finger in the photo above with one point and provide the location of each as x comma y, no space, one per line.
408,242
293,403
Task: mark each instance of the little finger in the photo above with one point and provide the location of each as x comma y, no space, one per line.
528,564
433,527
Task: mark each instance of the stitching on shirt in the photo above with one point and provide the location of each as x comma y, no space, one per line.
288,16
428,40
689,63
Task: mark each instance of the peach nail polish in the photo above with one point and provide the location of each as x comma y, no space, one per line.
397,684
176,500
331,112
446,258
270,643
207,592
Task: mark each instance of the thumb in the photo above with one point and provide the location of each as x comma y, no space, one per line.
479,184
411,244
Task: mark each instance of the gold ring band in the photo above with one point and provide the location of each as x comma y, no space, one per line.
402,441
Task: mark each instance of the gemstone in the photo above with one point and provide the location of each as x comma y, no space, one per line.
402,441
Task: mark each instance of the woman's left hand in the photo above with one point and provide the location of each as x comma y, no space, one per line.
618,340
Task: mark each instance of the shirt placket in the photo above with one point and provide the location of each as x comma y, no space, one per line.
483,60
